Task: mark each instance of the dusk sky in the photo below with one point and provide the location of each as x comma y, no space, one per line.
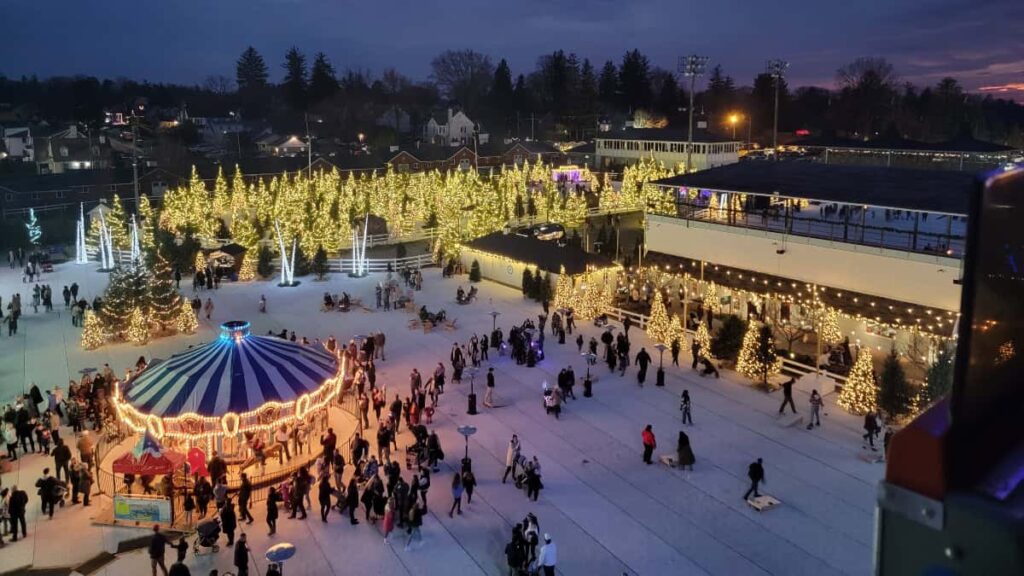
980,42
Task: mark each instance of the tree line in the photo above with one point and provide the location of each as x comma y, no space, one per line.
562,97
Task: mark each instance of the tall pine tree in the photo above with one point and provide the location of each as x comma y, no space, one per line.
859,394
323,81
164,300
295,82
895,393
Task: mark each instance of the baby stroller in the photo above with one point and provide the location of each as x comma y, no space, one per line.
285,490
207,534
601,321
520,475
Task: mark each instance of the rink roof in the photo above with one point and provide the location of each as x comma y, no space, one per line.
544,254
906,189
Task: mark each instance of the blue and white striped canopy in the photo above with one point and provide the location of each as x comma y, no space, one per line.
236,373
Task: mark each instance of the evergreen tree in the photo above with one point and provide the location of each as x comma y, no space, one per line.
527,285
658,322
127,291
323,82
164,300
295,82
939,378
635,80
250,71
474,271
93,334
729,339
703,339
320,263
187,321
265,264
758,359
895,393
502,97
859,394
117,222
721,93
676,332
608,86
147,224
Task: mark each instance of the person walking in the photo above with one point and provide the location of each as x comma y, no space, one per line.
511,458
324,491
228,521
489,395
352,500
642,360
684,453
695,352
787,395
457,490
676,347
816,404
649,443
756,474
242,556
273,499
16,506
157,550
548,556
415,522
684,407
244,497
469,484
871,429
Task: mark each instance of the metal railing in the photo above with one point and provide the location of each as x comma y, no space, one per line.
789,366
384,264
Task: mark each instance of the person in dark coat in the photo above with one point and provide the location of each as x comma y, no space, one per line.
16,507
787,395
273,499
242,556
695,351
352,500
756,474
676,346
228,521
244,497
684,454
642,360
157,549
324,497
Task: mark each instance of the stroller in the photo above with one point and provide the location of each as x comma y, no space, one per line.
520,475
207,534
285,490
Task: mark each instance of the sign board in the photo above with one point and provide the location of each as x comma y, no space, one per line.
139,508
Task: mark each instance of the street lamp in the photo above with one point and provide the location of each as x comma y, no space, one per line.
587,384
471,409
494,320
776,69
661,364
466,432
733,119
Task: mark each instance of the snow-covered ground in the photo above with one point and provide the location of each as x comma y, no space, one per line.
608,512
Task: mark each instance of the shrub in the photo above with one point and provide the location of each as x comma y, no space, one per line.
474,271
265,264
728,340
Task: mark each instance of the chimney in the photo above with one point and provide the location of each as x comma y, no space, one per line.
449,117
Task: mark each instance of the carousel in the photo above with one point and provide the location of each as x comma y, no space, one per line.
220,395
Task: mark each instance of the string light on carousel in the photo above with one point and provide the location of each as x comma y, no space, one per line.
221,394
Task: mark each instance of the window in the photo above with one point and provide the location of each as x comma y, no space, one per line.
112,188
464,164
63,151
158,188
60,193
403,168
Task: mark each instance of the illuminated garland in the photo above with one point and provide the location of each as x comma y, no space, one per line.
194,428
859,394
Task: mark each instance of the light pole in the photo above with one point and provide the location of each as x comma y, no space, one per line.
494,320
466,432
691,66
309,145
661,364
777,69
733,119
587,384
471,409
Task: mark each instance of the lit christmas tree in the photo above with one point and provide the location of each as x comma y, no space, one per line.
247,271
757,359
138,327
187,321
563,290
93,335
859,394
703,338
35,232
117,222
128,290
658,323
675,332
200,261
829,329
146,223
164,300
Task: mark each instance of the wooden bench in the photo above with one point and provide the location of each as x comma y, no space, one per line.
763,502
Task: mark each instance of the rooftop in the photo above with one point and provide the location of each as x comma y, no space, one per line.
962,143
902,188
545,254
661,135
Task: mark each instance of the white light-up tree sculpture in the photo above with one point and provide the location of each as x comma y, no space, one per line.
136,249
287,267
106,245
80,255
359,266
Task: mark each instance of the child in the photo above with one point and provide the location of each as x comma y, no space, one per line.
429,413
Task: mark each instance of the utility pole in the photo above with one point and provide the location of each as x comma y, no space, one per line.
691,66
309,148
777,69
135,157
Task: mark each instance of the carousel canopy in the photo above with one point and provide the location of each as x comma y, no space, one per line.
236,373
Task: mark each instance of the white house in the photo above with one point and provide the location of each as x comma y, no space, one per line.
18,143
281,145
452,130
665,145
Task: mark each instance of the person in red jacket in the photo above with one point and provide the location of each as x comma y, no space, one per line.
649,443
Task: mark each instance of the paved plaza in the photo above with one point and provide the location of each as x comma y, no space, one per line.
608,513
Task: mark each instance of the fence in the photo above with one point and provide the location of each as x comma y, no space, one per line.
384,264
789,366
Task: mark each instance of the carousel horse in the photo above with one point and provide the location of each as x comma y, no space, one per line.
259,452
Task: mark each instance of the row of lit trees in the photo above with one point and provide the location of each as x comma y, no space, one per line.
322,210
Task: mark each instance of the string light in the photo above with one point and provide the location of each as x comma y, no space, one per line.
93,335
757,359
658,323
859,394
187,322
